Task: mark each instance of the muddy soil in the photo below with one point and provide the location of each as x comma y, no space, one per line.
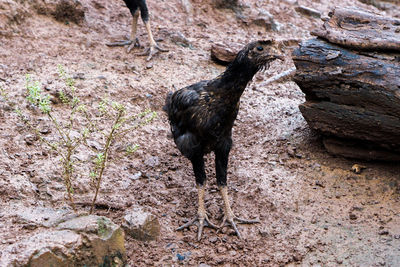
314,210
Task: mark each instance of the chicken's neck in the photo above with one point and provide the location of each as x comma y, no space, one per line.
235,79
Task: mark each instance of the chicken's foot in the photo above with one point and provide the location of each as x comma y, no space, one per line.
154,47
229,217
201,219
134,41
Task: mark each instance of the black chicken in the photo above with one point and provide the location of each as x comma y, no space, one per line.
134,7
202,116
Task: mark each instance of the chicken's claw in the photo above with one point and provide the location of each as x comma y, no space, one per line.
231,221
151,51
201,222
132,45
120,43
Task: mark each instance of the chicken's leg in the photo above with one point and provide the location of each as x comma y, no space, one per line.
221,165
154,47
229,217
133,41
201,218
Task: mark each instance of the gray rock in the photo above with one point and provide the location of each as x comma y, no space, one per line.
180,39
152,161
266,19
30,139
135,176
41,216
141,225
82,241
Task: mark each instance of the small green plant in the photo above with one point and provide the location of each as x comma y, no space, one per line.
108,119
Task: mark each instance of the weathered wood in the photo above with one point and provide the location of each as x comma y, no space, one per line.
222,54
360,29
350,94
355,149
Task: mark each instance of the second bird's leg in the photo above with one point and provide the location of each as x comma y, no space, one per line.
134,39
154,47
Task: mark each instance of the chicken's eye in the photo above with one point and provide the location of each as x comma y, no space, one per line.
260,48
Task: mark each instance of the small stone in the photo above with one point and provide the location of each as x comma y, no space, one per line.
141,225
30,139
314,219
90,240
136,176
79,75
149,65
180,257
383,232
152,161
356,168
213,239
352,216
180,39
339,260
265,19
203,265
45,130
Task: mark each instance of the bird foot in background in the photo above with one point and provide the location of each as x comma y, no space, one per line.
231,221
201,222
133,45
124,43
151,51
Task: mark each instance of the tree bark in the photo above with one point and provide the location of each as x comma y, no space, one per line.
350,94
355,28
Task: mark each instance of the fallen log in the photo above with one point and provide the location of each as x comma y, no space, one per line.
358,29
352,95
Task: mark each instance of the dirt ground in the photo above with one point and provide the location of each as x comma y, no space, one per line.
314,210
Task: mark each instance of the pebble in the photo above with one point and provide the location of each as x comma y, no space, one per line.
149,65
152,161
136,176
180,39
180,257
213,239
79,75
30,139
352,216
383,232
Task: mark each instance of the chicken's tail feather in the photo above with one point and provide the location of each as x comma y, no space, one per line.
167,102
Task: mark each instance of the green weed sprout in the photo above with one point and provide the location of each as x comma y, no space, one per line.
83,119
